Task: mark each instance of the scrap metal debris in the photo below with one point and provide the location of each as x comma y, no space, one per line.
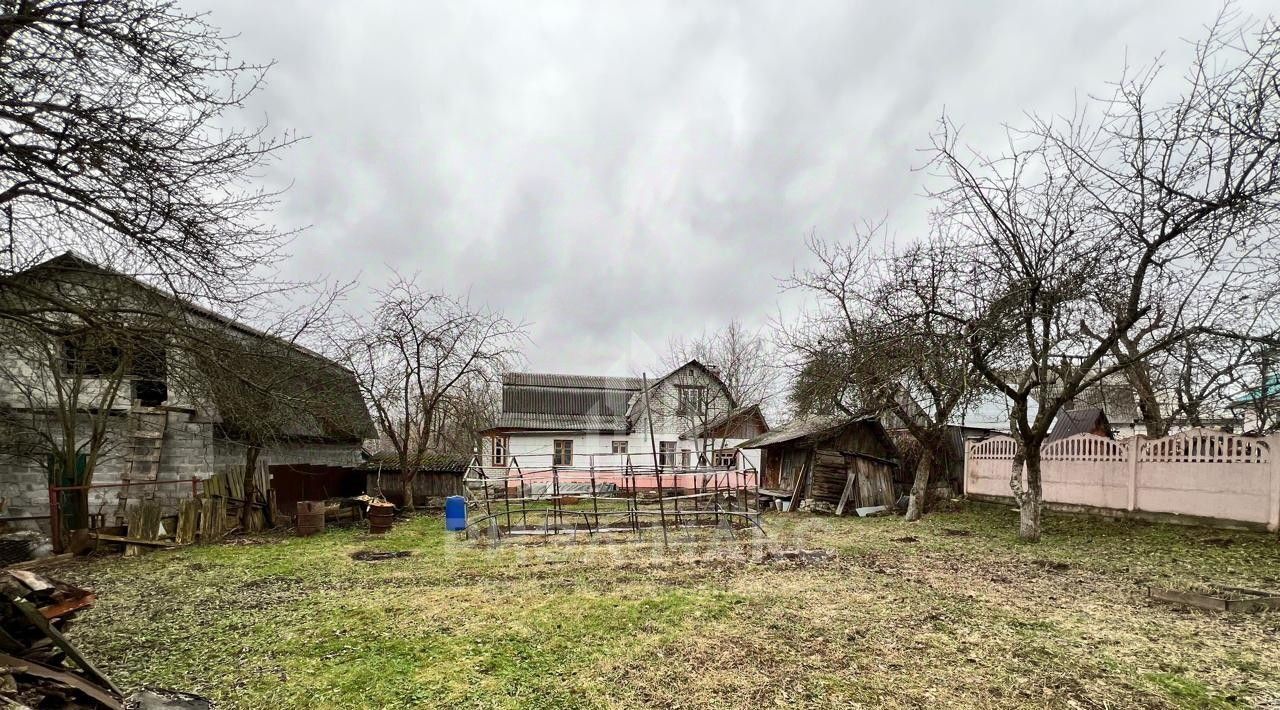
40,668
35,654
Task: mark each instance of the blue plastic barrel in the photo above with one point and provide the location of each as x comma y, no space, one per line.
455,513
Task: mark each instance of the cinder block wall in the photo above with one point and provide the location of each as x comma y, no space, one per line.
189,451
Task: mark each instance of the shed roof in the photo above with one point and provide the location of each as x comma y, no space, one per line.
811,428
437,462
740,414
1078,421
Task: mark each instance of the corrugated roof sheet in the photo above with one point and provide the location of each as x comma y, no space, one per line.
561,422
564,400
538,379
429,461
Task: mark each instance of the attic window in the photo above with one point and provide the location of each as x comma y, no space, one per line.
691,399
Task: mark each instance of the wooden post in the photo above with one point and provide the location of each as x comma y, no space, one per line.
653,445
55,520
1273,451
1134,442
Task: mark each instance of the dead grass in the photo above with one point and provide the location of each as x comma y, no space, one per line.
964,615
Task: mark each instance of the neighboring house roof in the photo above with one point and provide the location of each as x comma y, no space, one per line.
1079,421
534,401
429,461
814,428
1268,394
547,402
733,416
990,411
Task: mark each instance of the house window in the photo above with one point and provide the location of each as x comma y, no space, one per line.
667,453
84,356
691,399
619,447
501,447
726,458
563,455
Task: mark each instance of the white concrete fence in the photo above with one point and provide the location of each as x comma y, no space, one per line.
1215,477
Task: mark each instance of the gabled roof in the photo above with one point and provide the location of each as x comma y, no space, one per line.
637,400
740,414
1078,421
535,401
297,373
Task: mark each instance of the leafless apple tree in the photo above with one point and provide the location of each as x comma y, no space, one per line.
876,346
414,354
1099,241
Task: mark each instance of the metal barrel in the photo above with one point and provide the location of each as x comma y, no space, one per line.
310,517
380,517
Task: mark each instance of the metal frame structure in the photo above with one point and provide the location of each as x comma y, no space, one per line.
627,494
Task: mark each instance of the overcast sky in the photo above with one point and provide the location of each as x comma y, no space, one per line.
620,173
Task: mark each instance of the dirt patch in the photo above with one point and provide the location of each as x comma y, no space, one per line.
956,532
376,556
796,557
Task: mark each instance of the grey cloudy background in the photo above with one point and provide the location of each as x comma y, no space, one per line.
618,173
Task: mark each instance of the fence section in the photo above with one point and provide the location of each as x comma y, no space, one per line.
1202,473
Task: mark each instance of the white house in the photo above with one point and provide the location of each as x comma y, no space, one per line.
604,422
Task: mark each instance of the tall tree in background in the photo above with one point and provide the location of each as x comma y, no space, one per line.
415,355
741,358
115,142
1098,241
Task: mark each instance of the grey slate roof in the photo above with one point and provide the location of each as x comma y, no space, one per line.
538,379
549,402
432,461
1077,421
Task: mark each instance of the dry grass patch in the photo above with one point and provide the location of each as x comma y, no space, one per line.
963,616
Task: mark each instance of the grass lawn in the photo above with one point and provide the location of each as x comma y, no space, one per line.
952,611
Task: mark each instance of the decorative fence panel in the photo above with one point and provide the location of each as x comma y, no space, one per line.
1202,473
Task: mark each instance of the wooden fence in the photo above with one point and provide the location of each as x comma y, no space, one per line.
1211,476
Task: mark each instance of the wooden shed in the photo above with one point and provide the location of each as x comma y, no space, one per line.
438,476
835,463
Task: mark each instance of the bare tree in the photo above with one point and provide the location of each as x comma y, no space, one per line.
416,352
1150,223
876,346
743,361
115,139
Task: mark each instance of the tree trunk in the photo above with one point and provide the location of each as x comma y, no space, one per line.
1032,497
407,475
250,495
920,486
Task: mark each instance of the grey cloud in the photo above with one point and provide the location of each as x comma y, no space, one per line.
621,171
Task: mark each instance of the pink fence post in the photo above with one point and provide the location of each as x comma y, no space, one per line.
1135,445
1274,452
